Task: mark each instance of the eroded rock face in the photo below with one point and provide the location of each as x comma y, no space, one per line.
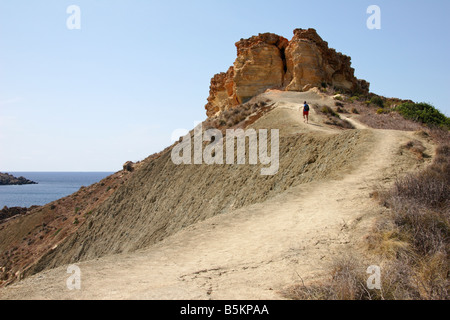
222,93
260,65
311,62
271,61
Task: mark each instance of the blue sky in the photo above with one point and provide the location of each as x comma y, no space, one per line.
115,90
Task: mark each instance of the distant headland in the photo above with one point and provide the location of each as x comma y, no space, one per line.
8,179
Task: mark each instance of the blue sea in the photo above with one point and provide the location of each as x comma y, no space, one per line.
51,186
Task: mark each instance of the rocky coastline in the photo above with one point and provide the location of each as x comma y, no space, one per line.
8,179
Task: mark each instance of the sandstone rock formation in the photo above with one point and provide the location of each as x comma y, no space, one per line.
271,61
260,64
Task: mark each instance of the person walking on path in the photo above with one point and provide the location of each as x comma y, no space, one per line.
305,112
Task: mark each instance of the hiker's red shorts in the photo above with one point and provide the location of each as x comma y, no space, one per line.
305,113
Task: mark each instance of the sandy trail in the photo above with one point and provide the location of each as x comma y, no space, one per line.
250,253
288,116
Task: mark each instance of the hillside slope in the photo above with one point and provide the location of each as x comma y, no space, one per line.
161,198
225,231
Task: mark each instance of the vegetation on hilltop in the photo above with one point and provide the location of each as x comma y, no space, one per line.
424,113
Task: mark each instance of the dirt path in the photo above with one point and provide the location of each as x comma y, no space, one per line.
288,116
250,253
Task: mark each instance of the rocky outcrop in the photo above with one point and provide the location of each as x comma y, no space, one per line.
311,62
7,179
260,64
222,92
271,61
128,166
7,213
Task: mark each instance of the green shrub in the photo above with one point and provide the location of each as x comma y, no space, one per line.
378,101
424,113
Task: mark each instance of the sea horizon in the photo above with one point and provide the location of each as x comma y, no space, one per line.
51,186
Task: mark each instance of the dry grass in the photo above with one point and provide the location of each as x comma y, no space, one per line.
412,241
384,120
416,233
345,283
348,281
332,116
376,112
417,148
238,116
